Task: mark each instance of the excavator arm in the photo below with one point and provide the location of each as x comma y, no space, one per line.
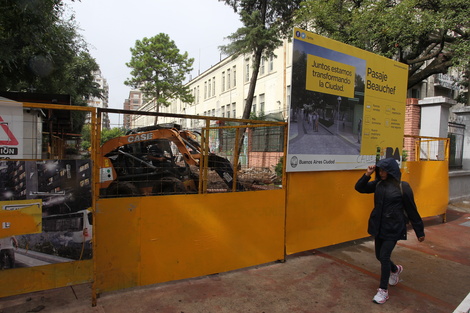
162,133
186,142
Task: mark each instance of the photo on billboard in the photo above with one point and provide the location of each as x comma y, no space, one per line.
347,105
45,212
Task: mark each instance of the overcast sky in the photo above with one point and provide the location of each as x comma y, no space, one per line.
111,27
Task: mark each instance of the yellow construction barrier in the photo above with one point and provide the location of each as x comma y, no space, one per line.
148,240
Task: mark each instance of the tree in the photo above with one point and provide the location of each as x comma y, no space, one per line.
430,36
42,52
265,24
106,134
464,83
159,70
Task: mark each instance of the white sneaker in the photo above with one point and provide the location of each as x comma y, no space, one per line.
394,277
381,297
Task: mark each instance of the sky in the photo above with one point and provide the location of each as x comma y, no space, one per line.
111,28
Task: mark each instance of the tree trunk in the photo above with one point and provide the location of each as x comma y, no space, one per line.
157,110
251,93
254,77
438,65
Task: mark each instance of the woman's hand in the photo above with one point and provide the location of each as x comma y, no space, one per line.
421,239
370,169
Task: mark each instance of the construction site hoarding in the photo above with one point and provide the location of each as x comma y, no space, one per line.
347,106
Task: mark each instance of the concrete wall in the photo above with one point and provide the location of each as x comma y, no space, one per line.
459,185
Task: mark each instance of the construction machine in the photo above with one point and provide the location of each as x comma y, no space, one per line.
157,160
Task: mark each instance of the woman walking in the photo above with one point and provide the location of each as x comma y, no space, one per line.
394,205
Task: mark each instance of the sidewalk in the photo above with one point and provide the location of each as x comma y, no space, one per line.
340,278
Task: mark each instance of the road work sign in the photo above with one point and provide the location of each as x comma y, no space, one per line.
11,130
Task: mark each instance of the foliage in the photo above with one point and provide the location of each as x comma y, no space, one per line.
158,70
404,155
464,83
260,117
43,53
106,134
86,137
428,35
279,167
265,24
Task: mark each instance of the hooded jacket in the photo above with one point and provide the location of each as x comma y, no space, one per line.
388,220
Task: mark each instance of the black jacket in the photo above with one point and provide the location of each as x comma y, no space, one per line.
387,219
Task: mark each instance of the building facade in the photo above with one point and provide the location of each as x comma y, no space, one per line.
100,102
134,102
221,91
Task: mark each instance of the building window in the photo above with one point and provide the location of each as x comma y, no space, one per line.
415,93
261,103
205,90
253,105
228,79
223,81
261,68
271,63
209,85
84,167
222,111
213,86
247,70
234,76
197,97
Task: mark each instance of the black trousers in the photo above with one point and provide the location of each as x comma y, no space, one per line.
383,253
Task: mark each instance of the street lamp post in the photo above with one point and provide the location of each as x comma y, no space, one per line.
337,124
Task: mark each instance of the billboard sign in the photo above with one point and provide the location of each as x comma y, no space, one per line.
347,105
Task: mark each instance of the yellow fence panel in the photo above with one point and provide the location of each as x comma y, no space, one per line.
430,183
323,208
148,240
30,279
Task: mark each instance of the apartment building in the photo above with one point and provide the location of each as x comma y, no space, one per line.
134,102
100,102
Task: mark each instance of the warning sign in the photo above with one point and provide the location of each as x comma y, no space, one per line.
11,130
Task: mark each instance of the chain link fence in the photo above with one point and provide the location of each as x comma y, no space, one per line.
162,154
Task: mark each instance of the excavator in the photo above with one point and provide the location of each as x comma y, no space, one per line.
157,160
